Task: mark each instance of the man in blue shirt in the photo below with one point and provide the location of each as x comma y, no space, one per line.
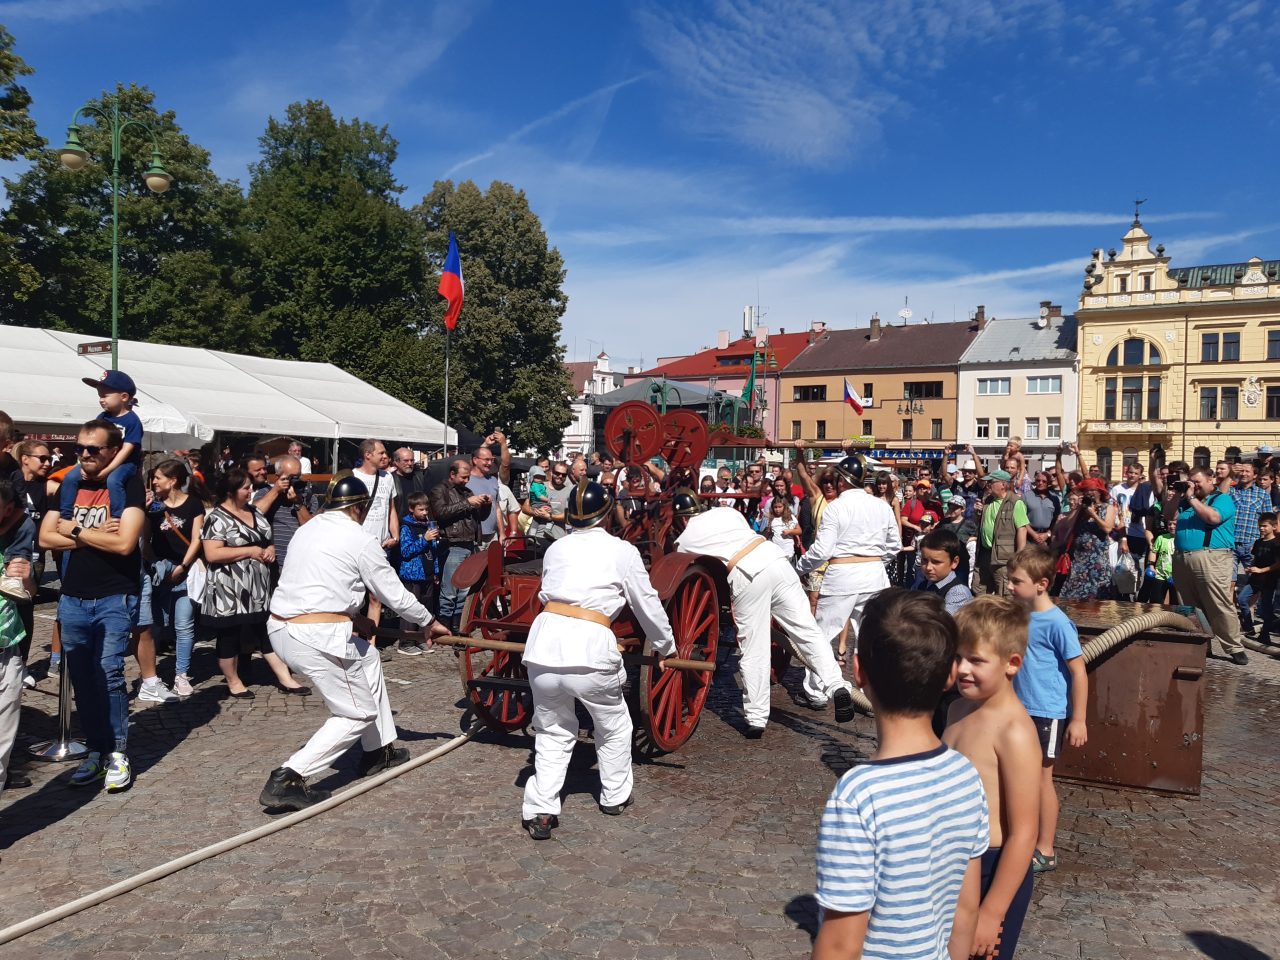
1204,557
1250,500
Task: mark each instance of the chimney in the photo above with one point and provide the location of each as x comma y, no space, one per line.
875,326
762,336
1055,311
722,340
818,327
980,318
1044,307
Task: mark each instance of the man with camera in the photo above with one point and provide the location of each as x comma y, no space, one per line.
458,510
1204,552
282,503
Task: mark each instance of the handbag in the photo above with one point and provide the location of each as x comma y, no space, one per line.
197,575
1063,566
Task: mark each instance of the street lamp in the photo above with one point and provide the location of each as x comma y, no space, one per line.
764,357
911,408
75,157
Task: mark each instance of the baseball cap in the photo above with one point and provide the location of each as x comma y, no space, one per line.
537,472
952,468
926,520
1265,449
999,475
117,381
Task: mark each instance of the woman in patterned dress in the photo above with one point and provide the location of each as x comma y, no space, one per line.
239,554
1090,577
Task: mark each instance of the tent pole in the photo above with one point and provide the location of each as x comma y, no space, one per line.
333,461
447,338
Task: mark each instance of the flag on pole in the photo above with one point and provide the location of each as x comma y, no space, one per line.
851,397
749,391
451,285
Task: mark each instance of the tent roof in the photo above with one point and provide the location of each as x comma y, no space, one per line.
678,394
222,391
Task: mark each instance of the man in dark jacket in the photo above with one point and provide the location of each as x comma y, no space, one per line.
458,511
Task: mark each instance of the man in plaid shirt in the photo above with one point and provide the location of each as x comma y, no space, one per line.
1251,500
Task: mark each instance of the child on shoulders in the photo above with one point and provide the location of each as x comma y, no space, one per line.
117,396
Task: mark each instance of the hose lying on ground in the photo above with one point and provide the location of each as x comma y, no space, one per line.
9,934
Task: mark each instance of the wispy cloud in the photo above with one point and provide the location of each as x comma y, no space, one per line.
810,81
1013,220
602,97
64,11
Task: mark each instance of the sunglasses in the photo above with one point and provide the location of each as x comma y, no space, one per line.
559,475
92,449
43,458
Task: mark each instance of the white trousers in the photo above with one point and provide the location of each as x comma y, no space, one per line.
844,598
10,703
555,725
351,687
775,594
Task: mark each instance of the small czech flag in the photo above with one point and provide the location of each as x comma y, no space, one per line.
851,397
451,285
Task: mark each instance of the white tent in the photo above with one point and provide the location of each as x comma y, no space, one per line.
40,386
211,389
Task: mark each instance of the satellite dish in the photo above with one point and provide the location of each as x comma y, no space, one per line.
1044,311
1042,321
905,314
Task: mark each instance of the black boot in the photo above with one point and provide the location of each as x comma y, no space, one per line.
287,790
375,761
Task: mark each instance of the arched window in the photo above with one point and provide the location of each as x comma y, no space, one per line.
1134,395
1104,461
1233,454
1134,352
1130,456
1200,458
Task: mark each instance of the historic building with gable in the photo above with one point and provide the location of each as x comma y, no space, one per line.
1184,357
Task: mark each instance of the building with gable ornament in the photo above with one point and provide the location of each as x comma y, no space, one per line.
1184,357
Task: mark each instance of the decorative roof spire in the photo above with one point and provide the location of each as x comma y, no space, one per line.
1137,206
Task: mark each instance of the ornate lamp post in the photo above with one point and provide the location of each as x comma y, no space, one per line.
766,358
911,408
74,157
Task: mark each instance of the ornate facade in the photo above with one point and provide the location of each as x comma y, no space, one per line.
1186,357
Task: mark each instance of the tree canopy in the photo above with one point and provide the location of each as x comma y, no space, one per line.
318,261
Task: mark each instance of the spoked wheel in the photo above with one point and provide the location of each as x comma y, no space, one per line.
671,701
495,681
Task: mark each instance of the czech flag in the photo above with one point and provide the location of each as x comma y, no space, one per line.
851,397
451,285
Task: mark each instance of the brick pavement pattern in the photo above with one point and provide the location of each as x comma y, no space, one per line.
715,861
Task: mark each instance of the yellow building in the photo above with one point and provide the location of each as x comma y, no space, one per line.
1186,357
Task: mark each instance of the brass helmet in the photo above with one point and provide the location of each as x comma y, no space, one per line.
685,503
346,490
589,503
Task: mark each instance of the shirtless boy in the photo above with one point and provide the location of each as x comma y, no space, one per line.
990,726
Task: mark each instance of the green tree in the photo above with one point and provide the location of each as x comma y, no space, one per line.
338,262
18,141
507,360
183,257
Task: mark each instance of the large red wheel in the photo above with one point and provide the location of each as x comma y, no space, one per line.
495,681
633,432
671,701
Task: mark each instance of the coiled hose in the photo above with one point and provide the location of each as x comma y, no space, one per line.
9,934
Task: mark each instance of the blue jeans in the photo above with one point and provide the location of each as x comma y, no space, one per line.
173,609
451,598
1266,607
117,479
95,639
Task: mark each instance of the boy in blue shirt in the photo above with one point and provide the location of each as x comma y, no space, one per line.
419,550
902,836
1052,671
117,397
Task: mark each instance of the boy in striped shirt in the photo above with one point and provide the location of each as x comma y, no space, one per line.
902,835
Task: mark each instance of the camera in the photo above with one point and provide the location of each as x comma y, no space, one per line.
298,486
1181,486
1089,500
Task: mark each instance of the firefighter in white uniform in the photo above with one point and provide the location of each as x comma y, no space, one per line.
764,587
572,654
314,615
856,534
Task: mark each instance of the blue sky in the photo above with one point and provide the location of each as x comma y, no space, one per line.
835,157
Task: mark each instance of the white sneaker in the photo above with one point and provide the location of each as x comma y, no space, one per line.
119,773
12,588
182,685
153,690
89,771
28,680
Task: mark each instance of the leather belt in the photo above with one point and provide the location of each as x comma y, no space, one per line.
315,618
856,560
576,612
738,557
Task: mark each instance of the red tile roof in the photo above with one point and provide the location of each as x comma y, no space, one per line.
917,345
580,373
720,363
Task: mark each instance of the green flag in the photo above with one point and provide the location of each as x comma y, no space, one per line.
749,391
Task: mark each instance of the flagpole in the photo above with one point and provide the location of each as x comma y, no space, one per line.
447,337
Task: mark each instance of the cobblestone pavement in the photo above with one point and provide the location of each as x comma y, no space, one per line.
714,861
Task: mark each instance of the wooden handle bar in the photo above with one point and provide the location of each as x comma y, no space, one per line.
510,646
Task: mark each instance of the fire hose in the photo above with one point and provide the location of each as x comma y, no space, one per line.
9,934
